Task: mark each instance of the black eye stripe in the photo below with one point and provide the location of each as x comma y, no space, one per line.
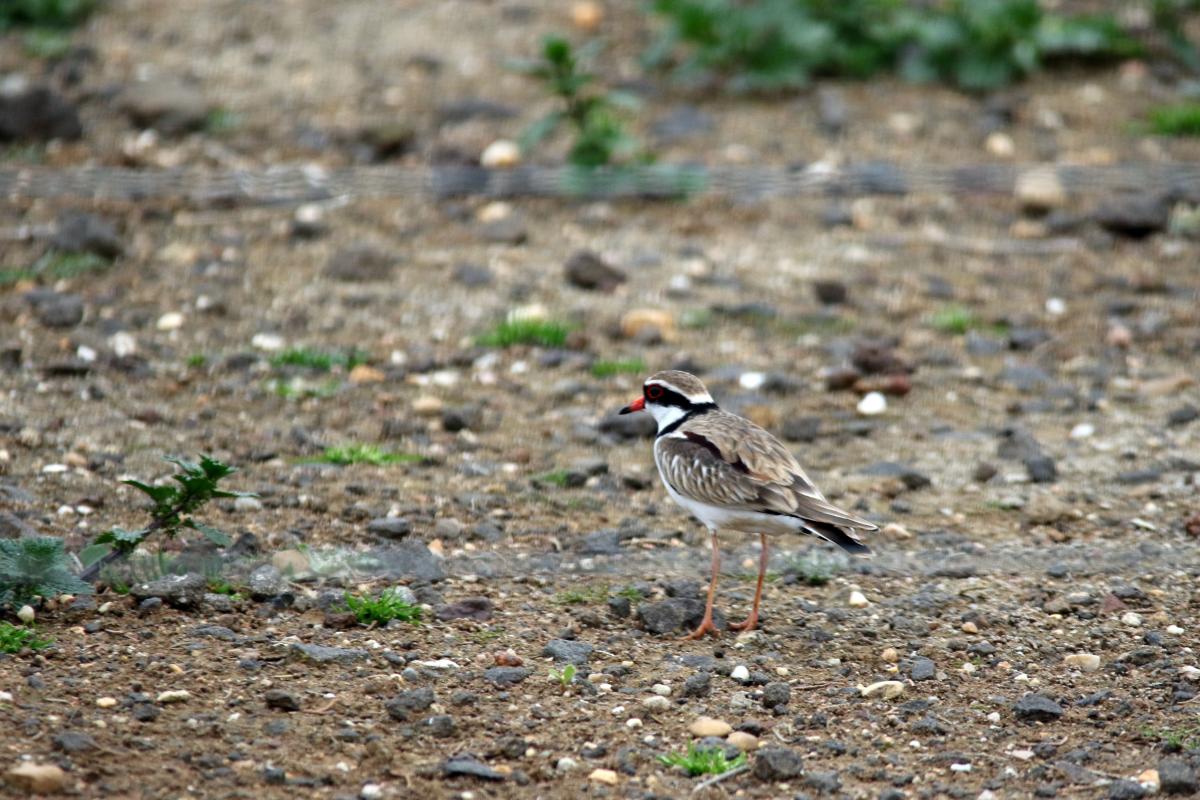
667,397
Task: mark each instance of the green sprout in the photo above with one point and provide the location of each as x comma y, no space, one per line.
317,360
545,333
348,454
703,761
564,677
383,608
954,320
14,639
607,369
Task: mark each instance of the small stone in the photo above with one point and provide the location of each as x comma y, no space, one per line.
970,627
777,764
565,764
281,700
465,765
776,694
697,685
858,600
587,16
1085,662
889,655
746,742
707,726
885,689
371,791
923,669
1183,415
605,776
476,608
389,527
1176,776
26,614
1132,619
740,673
360,263
173,696
55,309
828,782
501,154
362,374
1037,707
330,655
36,778
587,270
183,591
266,582
1041,469
441,726
872,404
171,321
167,104
1126,790
643,324
74,742
1133,215
507,676
1040,189
565,651
656,703
408,703
830,292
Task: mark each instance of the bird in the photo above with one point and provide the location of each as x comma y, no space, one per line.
731,474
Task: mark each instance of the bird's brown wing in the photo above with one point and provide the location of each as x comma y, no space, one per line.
764,471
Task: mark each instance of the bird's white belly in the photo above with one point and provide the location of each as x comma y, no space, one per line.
719,517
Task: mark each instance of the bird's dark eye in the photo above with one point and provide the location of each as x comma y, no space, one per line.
654,392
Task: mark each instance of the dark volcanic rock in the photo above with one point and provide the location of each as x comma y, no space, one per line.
1037,707
1133,215
476,608
37,113
414,560
1041,469
56,309
74,742
507,676
801,429
830,292
406,704
1183,415
777,764
330,655
360,263
465,765
1176,776
80,232
565,651
587,270
601,543
697,685
923,669
266,582
183,591
776,694
389,527
281,700
674,614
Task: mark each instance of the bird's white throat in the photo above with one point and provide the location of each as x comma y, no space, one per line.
666,415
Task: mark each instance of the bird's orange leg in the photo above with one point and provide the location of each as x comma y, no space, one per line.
707,626
751,621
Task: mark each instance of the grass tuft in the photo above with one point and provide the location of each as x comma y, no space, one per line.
348,454
383,608
954,320
574,597
1182,119
703,761
629,366
317,360
14,639
545,333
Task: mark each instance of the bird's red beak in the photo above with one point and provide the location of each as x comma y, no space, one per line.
636,405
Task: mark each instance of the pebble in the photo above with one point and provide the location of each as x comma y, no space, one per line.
1086,662
106,702
173,696
1083,430
1040,189
1132,619
648,323
656,703
566,764
890,655
565,651
36,778
661,689
171,321
777,764
370,791
281,700
872,404
740,673
501,154
746,742
587,16
885,689
1176,776
1037,707
858,600
26,614
605,776
923,669
707,726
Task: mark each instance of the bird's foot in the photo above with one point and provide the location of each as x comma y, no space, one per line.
706,627
748,624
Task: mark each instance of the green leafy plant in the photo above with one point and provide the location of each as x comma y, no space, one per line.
593,114
954,320
56,265
173,510
14,639
629,366
317,360
348,454
565,676
36,566
45,13
383,608
1182,119
545,333
772,45
703,761
197,361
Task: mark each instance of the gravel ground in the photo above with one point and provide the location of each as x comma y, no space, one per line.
1027,627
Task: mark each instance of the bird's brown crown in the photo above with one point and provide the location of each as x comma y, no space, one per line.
682,383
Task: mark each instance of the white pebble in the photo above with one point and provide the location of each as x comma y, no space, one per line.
122,344
1174,630
85,353
1055,306
247,504
884,689
54,469
370,791
994,717
656,703
501,154
872,404
566,764
661,689
171,321
740,673
858,600
752,380
960,767
6,697
1131,619
633,722
26,614
174,696
1083,430
106,702
1085,662
267,341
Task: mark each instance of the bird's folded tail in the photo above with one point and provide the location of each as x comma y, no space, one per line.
838,536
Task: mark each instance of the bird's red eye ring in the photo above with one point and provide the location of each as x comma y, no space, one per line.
654,392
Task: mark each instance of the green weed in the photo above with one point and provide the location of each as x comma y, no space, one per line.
954,320
564,676
572,597
545,333
36,566
56,265
14,639
46,43
348,454
1176,120
383,608
557,477
703,761
1174,739
58,14
317,360
629,366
